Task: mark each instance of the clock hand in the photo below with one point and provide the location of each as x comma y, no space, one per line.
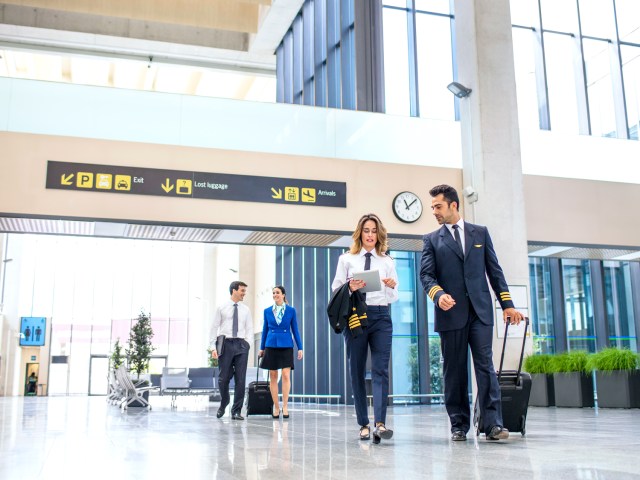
405,204
410,203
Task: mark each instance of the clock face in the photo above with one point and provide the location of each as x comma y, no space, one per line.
407,207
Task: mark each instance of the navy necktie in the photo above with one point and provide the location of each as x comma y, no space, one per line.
235,321
367,262
456,235
367,266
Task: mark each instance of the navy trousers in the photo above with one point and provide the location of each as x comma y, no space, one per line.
233,363
455,346
377,337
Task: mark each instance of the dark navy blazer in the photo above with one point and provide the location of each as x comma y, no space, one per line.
444,270
279,336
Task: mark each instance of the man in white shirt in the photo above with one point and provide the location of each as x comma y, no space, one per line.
233,320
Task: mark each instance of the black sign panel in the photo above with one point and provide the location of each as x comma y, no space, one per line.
178,183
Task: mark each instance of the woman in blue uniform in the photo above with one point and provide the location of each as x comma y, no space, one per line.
276,347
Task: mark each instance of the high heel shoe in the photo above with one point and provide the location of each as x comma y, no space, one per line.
284,415
381,432
275,416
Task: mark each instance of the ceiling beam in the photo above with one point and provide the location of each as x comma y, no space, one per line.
237,16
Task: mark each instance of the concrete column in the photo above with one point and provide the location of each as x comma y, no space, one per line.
491,140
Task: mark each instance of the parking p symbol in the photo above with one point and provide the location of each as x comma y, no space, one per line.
84,180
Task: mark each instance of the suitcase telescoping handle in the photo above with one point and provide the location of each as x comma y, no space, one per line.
504,344
259,367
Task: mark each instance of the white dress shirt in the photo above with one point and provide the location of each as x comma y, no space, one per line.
349,263
223,322
460,224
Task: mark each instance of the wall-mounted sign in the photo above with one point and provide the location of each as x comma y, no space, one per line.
32,331
177,183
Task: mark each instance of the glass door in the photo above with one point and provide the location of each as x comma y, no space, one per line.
99,375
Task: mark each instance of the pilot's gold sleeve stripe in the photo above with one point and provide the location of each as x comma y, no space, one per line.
435,289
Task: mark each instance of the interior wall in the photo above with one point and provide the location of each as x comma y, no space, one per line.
371,187
558,210
582,212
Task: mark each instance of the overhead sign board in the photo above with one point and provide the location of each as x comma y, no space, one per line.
181,183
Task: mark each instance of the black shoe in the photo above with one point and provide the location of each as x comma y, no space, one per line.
365,433
381,432
498,433
458,436
220,413
236,416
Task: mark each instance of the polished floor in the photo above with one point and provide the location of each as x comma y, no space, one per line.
85,438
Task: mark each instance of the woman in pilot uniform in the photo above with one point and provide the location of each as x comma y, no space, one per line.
369,252
276,347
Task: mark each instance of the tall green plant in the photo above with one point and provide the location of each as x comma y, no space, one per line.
117,358
574,361
537,363
435,367
213,362
140,348
609,359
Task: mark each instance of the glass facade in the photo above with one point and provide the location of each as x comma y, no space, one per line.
576,279
315,63
405,355
585,64
619,305
418,58
541,306
92,288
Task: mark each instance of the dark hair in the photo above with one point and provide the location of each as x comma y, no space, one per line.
236,286
284,292
448,192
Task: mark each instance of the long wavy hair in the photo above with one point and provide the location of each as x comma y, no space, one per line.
381,245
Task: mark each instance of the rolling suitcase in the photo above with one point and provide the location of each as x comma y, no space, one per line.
515,388
259,401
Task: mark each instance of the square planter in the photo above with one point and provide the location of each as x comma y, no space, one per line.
618,388
138,404
542,390
573,389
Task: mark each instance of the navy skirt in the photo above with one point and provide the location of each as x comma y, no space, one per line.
277,358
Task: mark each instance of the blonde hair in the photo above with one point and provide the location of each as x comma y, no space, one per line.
381,244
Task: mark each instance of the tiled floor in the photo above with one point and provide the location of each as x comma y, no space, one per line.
84,438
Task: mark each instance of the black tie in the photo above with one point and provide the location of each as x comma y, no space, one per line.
235,320
456,235
367,262
367,266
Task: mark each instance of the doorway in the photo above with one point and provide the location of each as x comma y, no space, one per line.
31,374
98,375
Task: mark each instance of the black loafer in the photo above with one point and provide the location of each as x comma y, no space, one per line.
498,433
220,413
458,436
237,416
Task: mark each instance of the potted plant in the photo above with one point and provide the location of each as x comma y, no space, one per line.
617,378
117,358
542,391
140,348
572,379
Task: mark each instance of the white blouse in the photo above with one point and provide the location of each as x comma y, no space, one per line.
349,263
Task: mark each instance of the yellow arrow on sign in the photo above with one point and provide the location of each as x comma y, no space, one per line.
277,194
167,187
66,180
